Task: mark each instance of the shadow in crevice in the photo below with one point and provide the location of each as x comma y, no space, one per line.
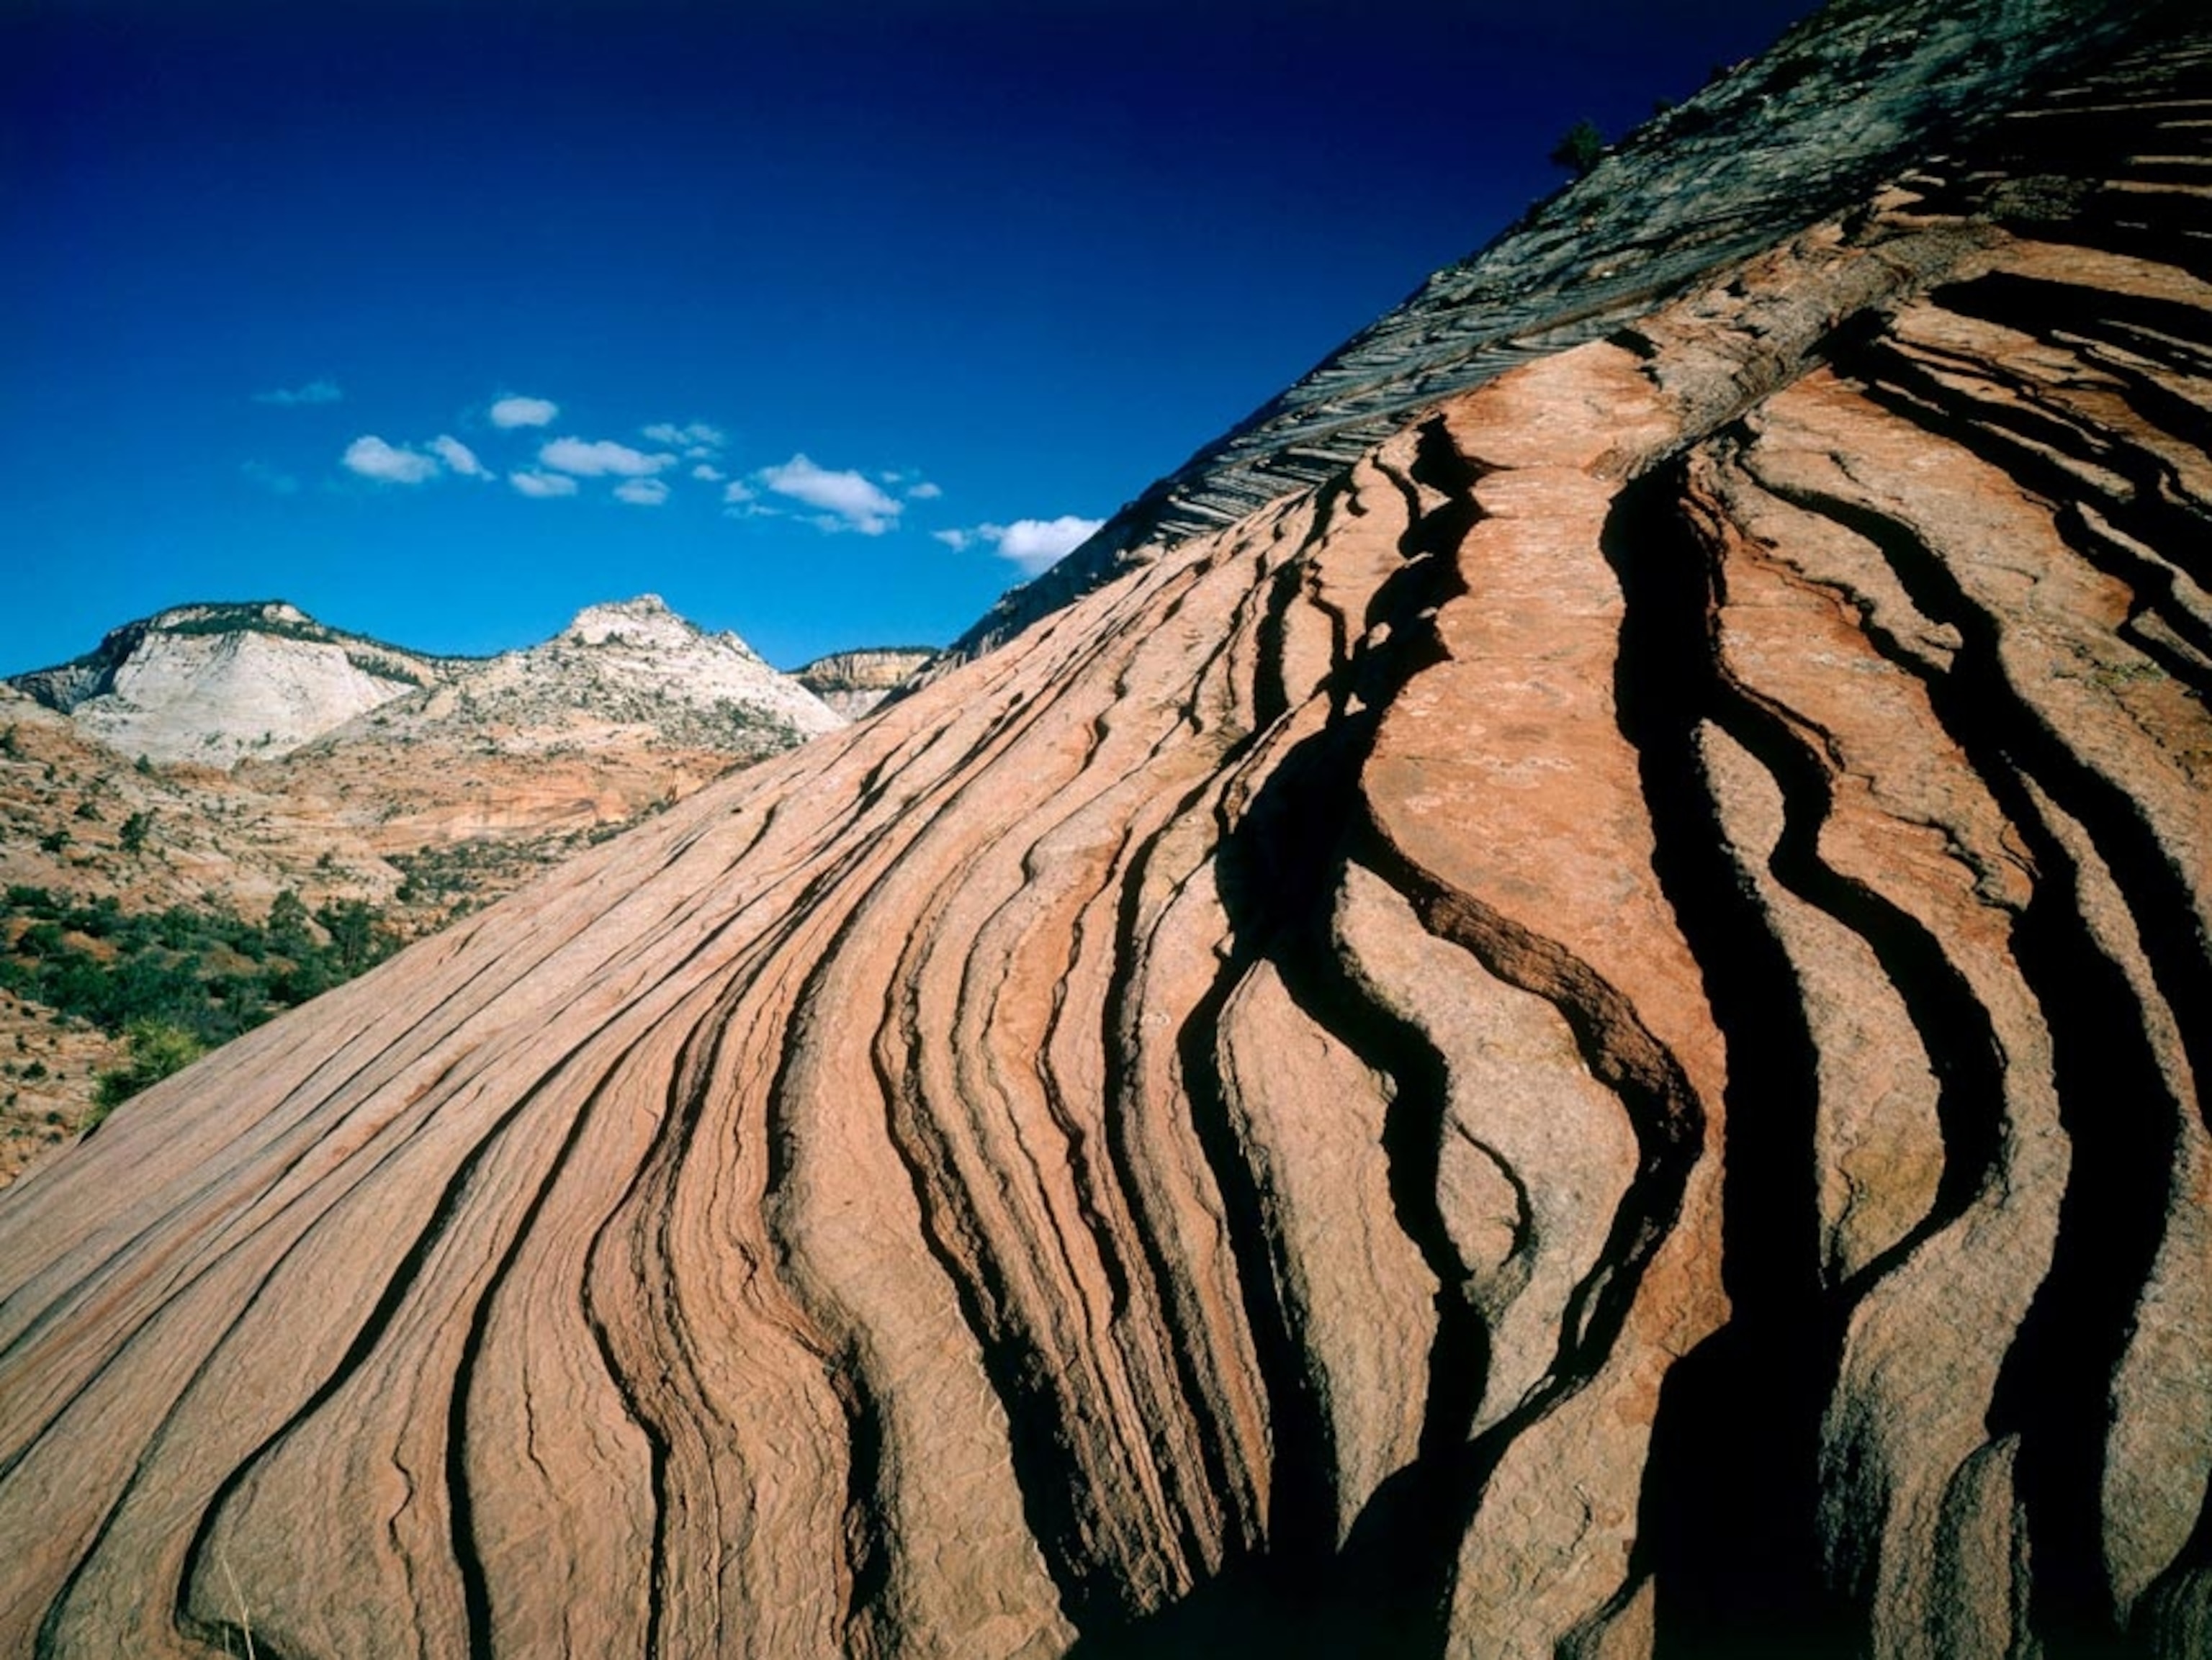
1387,1589
1277,869
1729,1526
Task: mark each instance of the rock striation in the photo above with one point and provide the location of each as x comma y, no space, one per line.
1844,100
1580,1038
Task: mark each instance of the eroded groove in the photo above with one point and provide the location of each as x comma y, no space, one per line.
2058,1380
1985,714
1190,1134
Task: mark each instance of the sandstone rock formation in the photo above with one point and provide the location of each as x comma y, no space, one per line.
210,684
1844,101
854,682
216,684
461,781
629,706
1579,1039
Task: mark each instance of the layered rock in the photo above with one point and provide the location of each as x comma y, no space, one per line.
1784,140
463,780
854,682
1582,1040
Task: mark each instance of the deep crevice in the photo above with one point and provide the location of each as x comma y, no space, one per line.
1728,1527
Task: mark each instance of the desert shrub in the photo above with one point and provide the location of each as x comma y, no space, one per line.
157,1048
1580,149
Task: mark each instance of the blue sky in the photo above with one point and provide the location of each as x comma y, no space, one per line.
826,323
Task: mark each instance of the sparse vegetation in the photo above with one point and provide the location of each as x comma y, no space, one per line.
158,1048
1580,149
205,972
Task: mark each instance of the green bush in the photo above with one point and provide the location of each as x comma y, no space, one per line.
1580,149
158,1048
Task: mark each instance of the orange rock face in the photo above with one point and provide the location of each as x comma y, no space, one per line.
1580,1041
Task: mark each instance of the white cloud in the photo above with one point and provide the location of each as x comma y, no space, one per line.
458,456
270,478
1034,543
696,438
642,492
543,485
372,458
1031,544
850,502
512,411
736,492
315,391
597,460
712,475
924,491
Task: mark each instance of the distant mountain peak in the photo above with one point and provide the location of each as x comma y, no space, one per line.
645,619
218,681
238,613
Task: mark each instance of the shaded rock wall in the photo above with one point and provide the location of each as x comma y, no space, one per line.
1582,1040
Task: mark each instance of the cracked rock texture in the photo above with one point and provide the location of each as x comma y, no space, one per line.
1579,1038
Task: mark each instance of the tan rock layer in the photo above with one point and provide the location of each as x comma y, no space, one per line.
1581,1041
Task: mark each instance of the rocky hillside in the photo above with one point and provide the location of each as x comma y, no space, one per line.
210,684
1580,1038
216,684
1846,100
463,780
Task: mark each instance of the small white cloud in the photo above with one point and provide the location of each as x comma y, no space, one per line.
735,493
924,491
642,492
850,502
712,475
1034,543
512,411
694,435
601,459
315,391
269,479
458,456
372,458
543,485
1031,544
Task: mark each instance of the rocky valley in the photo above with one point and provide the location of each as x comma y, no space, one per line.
1566,1021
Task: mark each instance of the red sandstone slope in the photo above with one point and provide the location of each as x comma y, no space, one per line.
1581,1041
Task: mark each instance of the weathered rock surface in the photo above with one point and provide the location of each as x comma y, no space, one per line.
1789,138
1581,1039
854,682
211,683
465,779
